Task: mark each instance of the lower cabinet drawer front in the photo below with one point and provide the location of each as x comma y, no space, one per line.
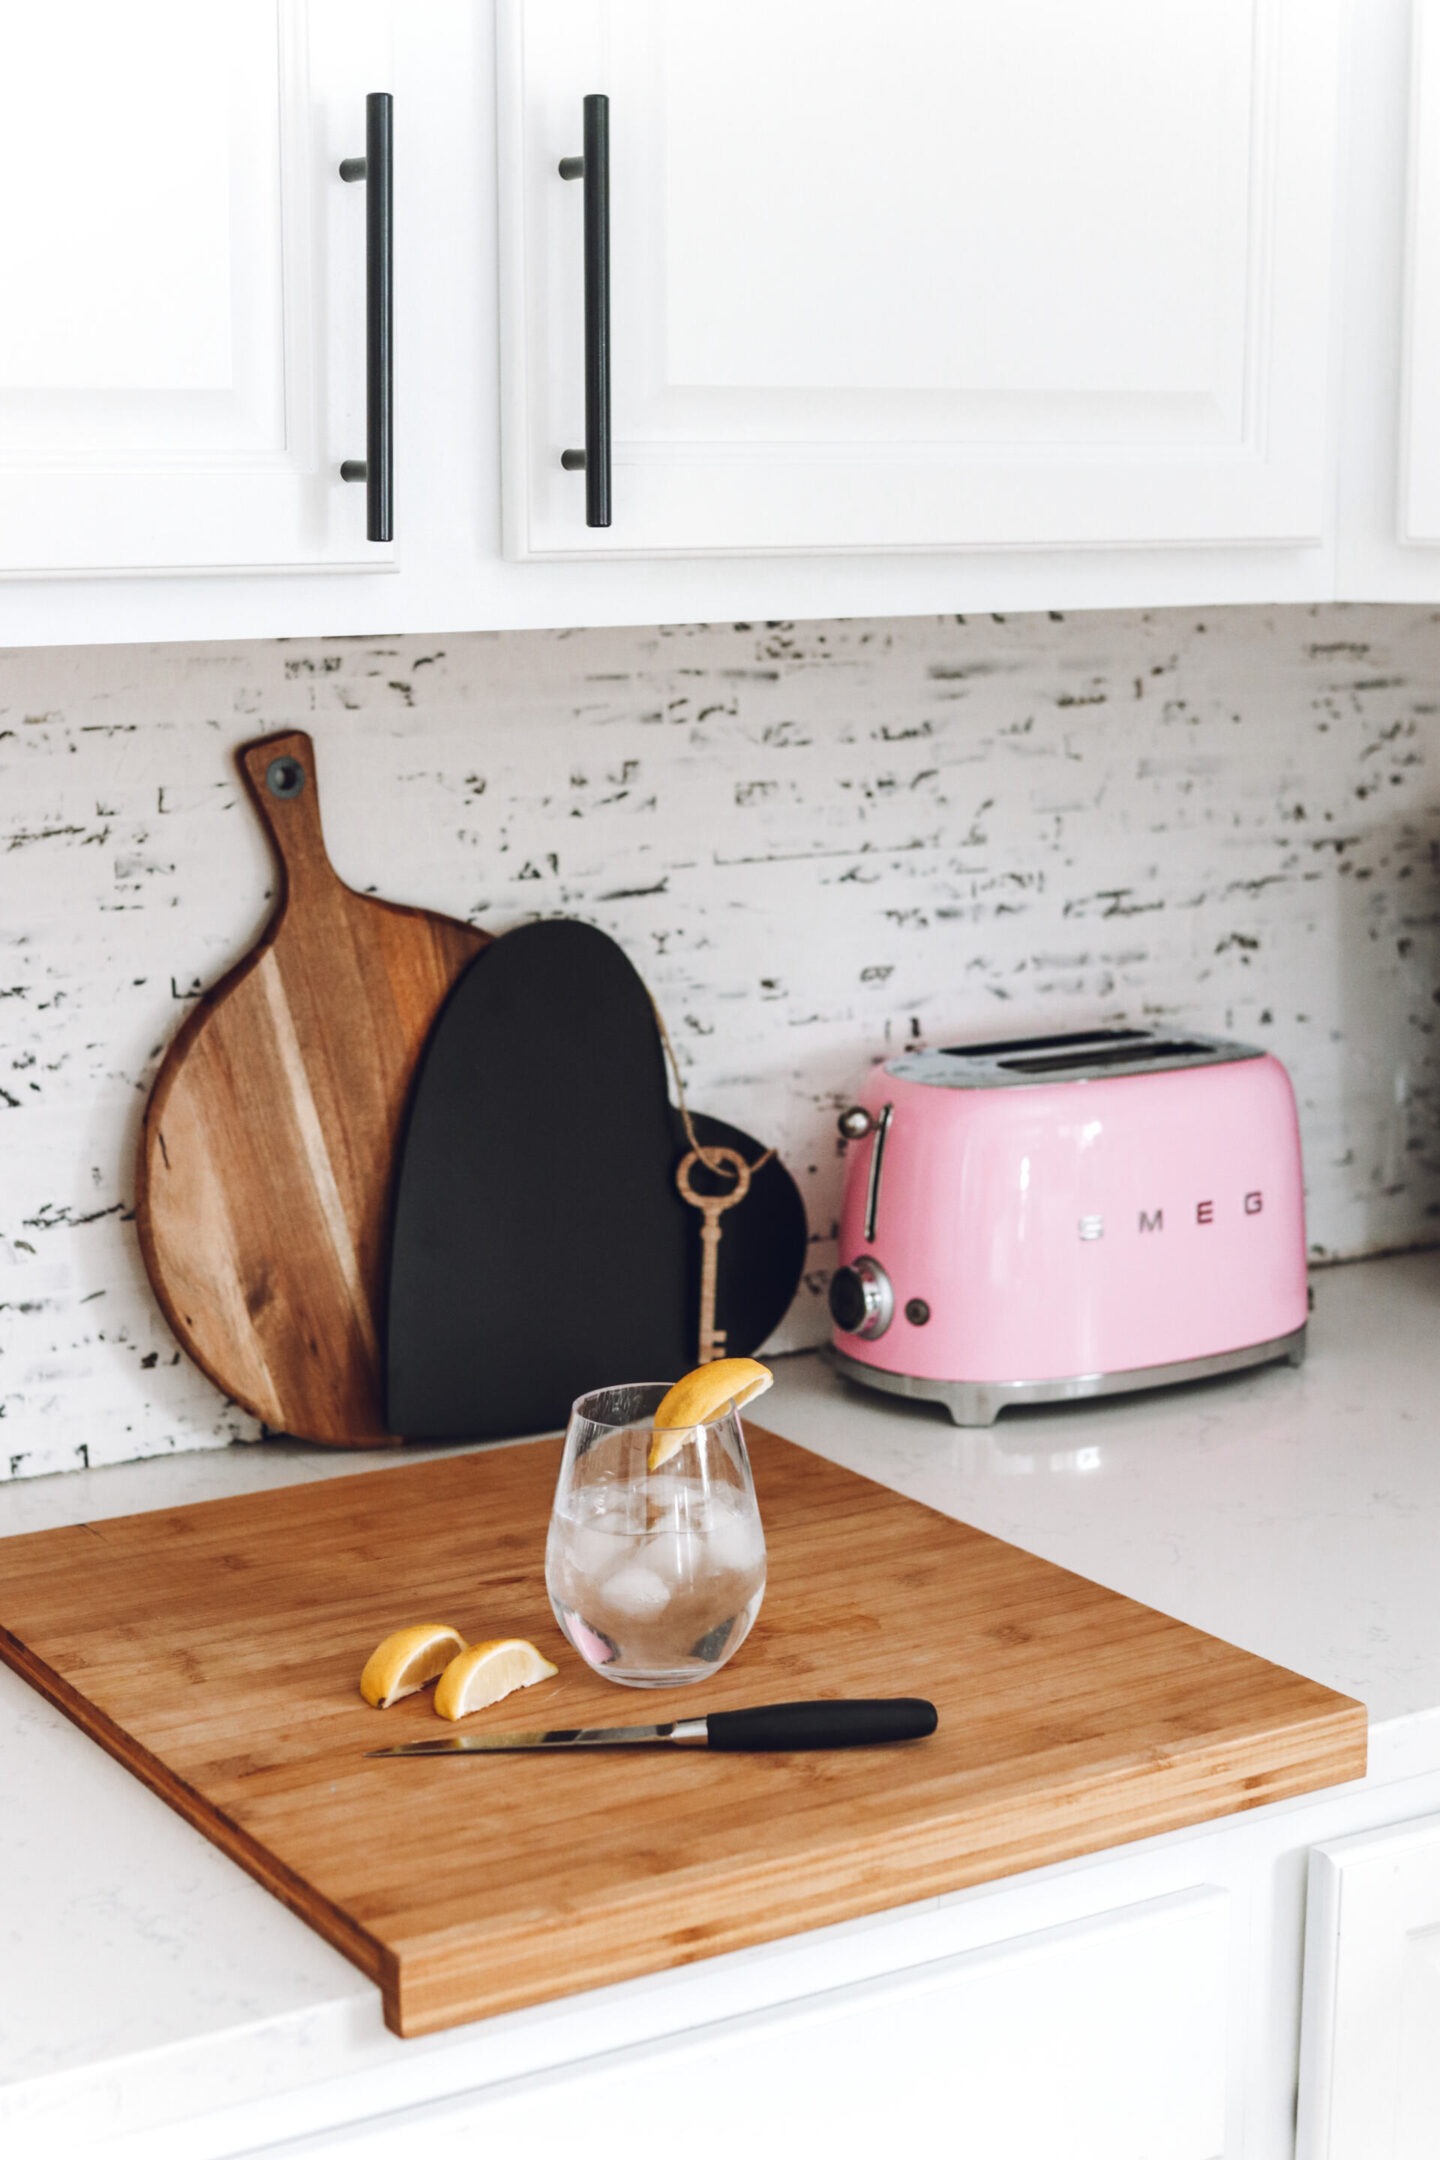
1104,2039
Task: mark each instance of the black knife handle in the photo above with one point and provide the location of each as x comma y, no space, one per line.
821,1724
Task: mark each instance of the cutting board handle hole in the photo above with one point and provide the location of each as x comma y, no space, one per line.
285,777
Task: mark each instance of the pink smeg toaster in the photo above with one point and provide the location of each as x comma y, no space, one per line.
1035,1220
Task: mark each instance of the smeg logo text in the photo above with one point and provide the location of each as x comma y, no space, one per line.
1152,1220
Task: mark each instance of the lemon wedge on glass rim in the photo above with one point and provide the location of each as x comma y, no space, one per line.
407,1661
486,1671
703,1394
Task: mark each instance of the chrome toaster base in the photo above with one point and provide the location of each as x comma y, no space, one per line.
979,1402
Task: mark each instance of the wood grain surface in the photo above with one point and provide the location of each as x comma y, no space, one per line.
216,1650
265,1158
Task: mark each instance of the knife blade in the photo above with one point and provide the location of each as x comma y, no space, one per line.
769,1726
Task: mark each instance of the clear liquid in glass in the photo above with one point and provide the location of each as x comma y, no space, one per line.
658,1584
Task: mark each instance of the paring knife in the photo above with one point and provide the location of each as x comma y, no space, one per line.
771,1725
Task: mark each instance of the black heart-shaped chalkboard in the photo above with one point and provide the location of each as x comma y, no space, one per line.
539,1246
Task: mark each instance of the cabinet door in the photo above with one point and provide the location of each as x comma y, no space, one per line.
936,274
1101,2040
1420,420
1370,2045
182,336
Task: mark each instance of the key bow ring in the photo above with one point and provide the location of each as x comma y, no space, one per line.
712,1206
718,1161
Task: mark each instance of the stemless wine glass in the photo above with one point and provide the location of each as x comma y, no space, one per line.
656,1575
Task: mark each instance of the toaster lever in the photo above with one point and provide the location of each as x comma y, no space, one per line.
877,1164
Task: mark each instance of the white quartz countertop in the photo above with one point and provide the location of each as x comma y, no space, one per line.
144,1979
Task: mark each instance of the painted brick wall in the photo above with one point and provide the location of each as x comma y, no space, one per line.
820,843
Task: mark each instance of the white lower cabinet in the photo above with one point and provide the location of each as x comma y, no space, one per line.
1101,2039
1162,2001
1370,2050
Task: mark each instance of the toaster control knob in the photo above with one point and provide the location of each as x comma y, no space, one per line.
854,1123
861,1299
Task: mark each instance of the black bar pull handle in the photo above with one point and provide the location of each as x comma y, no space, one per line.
594,169
376,169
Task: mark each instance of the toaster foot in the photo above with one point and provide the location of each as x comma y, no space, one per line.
973,1402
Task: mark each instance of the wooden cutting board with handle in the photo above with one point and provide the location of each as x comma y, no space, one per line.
265,1159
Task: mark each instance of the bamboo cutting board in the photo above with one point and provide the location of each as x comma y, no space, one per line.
216,1649
263,1183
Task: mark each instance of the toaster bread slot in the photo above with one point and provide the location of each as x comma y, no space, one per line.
1082,1054
1139,1054
1024,1044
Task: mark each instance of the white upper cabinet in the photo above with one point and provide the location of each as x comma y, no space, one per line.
182,336
915,305
1418,523
929,275
1388,512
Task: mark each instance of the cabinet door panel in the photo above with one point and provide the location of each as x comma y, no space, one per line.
1036,240
1370,2047
1101,2040
1420,426
941,274
182,348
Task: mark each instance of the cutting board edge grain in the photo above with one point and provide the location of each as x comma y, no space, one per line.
431,1971
847,1848
373,1958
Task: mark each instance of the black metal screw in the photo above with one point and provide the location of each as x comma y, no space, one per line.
285,777
917,1312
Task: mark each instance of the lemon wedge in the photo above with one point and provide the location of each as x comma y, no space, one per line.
407,1660
485,1672
702,1395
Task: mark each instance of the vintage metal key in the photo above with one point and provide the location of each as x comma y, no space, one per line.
712,1206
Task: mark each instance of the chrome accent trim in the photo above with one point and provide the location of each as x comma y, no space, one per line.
691,1732
879,1294
979,1402
854,1123
877,1164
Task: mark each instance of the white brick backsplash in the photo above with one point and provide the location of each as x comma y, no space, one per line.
819,842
